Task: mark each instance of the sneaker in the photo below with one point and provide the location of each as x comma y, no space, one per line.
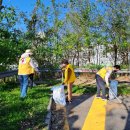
98,97
104,99
70,101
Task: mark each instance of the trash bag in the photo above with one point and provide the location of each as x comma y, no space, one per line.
59,95
113,88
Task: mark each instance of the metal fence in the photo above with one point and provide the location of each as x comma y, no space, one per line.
52,71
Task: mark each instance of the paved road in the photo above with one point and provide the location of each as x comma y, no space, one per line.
117,115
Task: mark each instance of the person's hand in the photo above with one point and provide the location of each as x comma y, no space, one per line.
39,73
108,86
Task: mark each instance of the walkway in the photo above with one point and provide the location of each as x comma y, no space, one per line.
88,113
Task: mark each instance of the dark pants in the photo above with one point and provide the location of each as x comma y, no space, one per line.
100,86
31,80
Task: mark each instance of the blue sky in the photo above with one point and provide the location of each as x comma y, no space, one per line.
28,6
23,5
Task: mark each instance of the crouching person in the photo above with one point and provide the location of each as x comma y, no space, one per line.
102,79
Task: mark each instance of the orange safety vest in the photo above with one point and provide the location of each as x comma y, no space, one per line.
24,67
102,72
72,77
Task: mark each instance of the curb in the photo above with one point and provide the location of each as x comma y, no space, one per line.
48,116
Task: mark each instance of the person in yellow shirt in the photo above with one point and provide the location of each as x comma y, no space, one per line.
102,77
24,70
69,77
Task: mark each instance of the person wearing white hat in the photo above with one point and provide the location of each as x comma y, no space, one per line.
26,65
28,51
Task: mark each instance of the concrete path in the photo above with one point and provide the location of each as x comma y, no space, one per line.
117,115
78,110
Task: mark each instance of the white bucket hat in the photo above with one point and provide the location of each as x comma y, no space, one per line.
28,51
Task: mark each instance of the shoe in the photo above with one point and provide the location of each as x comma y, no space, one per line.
98,97
111,99
104,99
70,101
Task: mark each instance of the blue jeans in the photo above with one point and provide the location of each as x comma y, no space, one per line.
23,85
100,86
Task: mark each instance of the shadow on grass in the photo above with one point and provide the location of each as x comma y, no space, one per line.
48,82
39,93
87,89
8,86
20,115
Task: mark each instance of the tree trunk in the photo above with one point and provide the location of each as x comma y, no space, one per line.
78,58
73,59
115,54
97,53
89,56
129,57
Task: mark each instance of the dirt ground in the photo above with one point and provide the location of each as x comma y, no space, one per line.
59,117
85,78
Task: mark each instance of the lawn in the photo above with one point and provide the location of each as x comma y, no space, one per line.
20,115
30,113
123,89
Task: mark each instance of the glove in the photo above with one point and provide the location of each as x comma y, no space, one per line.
108,85
63,83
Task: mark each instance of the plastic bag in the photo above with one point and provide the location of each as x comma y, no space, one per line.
59,95
113,87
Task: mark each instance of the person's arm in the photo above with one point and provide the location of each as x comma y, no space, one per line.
33,66
107,78
67,75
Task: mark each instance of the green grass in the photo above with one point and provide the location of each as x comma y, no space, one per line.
28,114
123,89
91,89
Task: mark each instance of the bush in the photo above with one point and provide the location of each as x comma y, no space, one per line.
124,66
93,66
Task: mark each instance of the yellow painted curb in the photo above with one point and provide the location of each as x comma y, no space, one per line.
95,119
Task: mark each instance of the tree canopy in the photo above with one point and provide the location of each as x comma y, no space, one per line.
70,29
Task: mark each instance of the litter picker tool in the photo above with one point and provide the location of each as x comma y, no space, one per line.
115,96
